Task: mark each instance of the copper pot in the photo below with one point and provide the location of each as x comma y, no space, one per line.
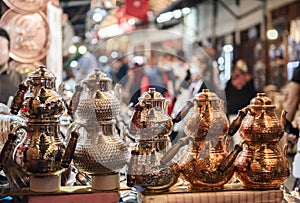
40,153
151,125
261,164
207,163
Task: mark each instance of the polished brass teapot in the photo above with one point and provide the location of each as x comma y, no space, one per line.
151,125
207,163
261,164
40,153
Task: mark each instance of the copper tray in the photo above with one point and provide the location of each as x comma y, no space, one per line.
26,6
29,34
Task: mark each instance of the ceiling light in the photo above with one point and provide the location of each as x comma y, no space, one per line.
82,49
272,34
72,49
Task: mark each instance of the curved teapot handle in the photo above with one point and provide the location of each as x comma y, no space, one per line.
236,123
75,100
8,146
18,99
69,154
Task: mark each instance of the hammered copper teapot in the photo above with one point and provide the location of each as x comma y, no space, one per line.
40,153
151,125
261,164
206,125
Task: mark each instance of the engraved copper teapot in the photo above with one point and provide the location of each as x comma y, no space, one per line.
40,153
99,152
151,125
207,163
261,164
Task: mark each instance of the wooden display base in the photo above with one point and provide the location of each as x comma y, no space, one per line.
242,196
66,194
104,197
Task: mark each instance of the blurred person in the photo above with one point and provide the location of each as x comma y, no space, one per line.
119,71
87,64
154,77
132,88
279,72
291,105
259,75
9,78
202,75
69,79
239,91
181,71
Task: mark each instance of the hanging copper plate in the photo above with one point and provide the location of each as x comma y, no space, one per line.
25,68
29,35
26,6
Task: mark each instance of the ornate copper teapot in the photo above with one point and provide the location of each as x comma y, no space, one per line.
261,164
99,152
40,153
151,125
207,163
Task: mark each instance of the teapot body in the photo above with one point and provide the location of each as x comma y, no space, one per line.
41,151
262,166
202,169
99,149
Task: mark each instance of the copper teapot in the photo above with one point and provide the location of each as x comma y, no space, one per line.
40,154
151,125
261,164
207,164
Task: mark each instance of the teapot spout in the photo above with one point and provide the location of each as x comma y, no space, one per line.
283,117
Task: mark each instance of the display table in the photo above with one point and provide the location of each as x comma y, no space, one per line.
242,196
67,194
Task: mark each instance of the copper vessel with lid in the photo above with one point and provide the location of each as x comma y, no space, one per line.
151,125
42,151
261,164
207,164
99,152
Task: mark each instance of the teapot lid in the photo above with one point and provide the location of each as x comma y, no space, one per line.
92,78
104,82
42,73
206,95
151,95
261,100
